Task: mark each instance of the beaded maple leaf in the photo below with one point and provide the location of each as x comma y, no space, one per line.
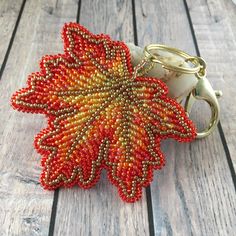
100,115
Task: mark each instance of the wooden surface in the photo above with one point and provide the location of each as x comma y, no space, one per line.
194,194
184,177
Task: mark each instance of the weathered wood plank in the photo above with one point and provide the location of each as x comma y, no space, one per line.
215,31
194,193
100,211
9,11
25,208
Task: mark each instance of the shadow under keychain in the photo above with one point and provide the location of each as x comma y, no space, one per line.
104,110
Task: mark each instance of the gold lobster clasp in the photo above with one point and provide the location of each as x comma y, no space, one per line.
203,89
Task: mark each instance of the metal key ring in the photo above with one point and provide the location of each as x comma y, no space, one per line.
157,59
202,91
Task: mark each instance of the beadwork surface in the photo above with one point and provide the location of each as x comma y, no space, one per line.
101,115
193,195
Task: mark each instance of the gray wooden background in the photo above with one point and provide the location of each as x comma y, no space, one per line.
195,192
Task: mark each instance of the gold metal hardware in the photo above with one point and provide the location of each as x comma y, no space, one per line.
203,89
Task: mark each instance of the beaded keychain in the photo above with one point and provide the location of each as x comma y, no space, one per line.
102,113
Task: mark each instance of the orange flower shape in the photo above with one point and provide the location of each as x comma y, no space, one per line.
100,115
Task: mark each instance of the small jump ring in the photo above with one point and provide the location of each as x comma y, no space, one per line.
202,71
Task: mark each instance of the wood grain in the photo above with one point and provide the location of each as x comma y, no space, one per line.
215,32
100,211
25,208
194,193
9,11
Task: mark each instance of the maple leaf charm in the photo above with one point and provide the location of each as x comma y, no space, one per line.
100,115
